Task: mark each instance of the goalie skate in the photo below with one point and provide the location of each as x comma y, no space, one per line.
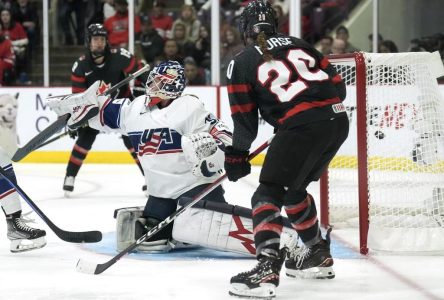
24,238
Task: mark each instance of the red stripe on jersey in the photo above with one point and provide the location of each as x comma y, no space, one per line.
75,78
238,88
268,227
305,225
303,106
294,209
265,207
244,108
131,65
337,79
102,110
324,63
7,193
77,89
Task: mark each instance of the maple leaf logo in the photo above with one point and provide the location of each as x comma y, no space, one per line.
102,87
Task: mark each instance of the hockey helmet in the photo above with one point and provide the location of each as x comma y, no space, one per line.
258,16
96,29
166,80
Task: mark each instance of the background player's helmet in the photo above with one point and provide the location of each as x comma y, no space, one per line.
166,80
257,16
96,29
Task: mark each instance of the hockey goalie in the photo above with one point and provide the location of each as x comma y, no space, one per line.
180,147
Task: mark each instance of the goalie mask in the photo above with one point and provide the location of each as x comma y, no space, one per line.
258,16
165,82
96,30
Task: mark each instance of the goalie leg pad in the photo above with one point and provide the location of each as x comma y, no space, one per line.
220,226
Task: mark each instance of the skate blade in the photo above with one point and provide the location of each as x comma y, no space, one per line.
312,273
67,194
23,245
266,291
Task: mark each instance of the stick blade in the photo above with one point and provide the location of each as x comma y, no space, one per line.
86,267
78,237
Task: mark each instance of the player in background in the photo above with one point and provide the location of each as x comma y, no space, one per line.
299,93
22,237
110,66
178,142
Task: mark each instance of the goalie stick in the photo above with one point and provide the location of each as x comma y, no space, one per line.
92,268
61,122
68,236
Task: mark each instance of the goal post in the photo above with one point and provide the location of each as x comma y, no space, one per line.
388,177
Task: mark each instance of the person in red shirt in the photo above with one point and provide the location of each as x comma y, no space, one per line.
160,21
7,57
15,32
117,25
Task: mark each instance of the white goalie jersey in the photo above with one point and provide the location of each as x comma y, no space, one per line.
157,136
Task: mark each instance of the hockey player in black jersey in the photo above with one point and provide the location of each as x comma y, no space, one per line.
299,93
110,66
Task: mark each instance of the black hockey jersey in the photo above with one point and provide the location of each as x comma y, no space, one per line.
117,65
298,86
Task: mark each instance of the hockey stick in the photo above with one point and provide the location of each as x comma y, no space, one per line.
68,236
92,268
52,140
62,120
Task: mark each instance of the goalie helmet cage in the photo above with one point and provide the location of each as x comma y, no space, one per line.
388,177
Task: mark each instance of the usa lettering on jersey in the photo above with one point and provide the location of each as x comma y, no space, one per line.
157,141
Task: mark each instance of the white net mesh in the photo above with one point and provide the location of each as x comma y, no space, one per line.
405,144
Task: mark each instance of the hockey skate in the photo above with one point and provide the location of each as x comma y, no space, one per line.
22,237
261,281
68,185
313,262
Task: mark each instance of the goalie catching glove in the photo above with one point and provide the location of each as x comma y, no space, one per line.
203,154
81,107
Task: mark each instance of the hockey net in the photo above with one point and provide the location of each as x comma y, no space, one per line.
388,177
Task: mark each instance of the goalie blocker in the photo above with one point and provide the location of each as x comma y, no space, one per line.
214,225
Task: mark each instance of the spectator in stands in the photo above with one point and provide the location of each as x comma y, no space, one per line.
201,49
7,60
178,34
370,41
189,20
388,46
193,74
231,46
161,22
325,44
171,51
15,32
283,20
117,25
65,9
338,46
26,14
151,42
342,34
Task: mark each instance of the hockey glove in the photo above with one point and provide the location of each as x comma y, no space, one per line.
236,163
202,154
73,133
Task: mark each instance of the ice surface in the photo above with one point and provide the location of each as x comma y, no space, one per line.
50,273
